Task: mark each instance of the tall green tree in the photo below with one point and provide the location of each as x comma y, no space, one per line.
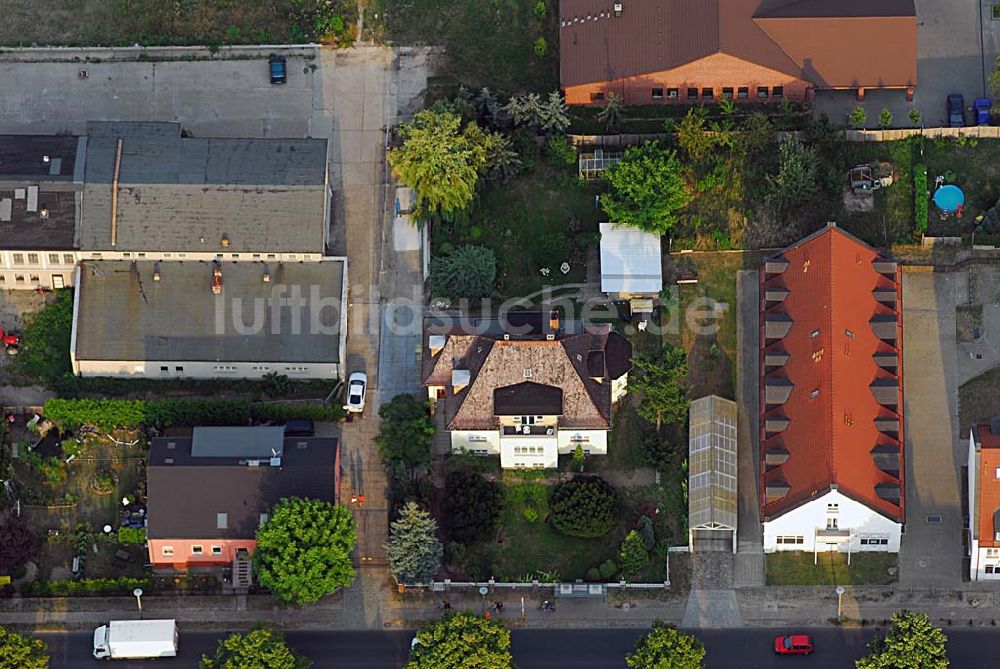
661,382
18,543
461,641
666,648
912,642
647,189
584,506
440,161
692,134
471,506
797,180
19,651
633,555
413,547
406,433
468,272
303,550
260,648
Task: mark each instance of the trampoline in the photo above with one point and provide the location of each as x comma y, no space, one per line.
949,198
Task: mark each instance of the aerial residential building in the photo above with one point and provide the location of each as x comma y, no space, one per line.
831,397
207,495
984,501
151,193
210,319
526,387
41,190
658,51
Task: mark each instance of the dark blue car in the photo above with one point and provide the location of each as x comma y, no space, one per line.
279,69
956,110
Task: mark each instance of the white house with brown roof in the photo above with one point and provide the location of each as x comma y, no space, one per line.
525,387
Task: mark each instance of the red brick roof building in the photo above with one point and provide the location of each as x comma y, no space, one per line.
831,395
984,501
649,51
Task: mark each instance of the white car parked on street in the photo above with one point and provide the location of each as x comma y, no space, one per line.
357,384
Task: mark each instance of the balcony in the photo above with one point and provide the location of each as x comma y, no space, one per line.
527,430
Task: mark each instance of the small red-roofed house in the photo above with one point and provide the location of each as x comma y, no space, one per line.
984,501
831,397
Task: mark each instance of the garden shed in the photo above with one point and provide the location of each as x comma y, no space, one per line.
712,474
631,265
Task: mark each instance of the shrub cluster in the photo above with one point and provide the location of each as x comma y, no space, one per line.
471,506
584,506
132,535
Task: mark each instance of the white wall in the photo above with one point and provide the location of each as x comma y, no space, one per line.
476,441
594,442
41,273
514,453
206,256
804,520
152,369
619,387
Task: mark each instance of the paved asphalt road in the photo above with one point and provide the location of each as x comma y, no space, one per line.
548,649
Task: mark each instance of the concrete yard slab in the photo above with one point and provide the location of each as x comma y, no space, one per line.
931,553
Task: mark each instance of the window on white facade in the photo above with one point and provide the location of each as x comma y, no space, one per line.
831,523
18,258
874,540
993,552
791,540
32,258
54,258
833,508
68,258
990,569
477,438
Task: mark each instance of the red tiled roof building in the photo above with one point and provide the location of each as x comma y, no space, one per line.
984,501
831,397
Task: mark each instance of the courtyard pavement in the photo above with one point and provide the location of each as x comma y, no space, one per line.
931,552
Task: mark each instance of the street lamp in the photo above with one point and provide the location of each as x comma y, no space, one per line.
482,594
138,599
840,596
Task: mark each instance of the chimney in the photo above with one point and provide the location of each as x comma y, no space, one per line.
156,271
618,9
267,274
217,279
554,321
43,213
225,241
46,159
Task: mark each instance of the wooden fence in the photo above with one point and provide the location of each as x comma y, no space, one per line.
847,134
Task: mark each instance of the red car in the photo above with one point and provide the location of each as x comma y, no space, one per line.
793,644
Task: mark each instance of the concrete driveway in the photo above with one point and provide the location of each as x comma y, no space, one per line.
949,60
931,553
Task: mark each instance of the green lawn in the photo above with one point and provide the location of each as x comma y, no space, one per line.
157,22
528,546
525,221
487,42
710,370
796,568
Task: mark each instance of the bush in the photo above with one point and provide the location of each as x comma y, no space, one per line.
608,569
471,506
550,250
469,272
132,535
644,527
584,506
559,152
920,198
633,555
656,452
541,47
593,574
44,350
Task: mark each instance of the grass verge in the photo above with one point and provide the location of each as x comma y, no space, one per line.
831,568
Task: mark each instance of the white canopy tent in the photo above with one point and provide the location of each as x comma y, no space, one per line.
631,263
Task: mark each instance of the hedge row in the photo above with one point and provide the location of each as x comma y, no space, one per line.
70,414
85,586
920,197
131,535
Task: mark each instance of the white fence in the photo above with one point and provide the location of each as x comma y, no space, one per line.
559,589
